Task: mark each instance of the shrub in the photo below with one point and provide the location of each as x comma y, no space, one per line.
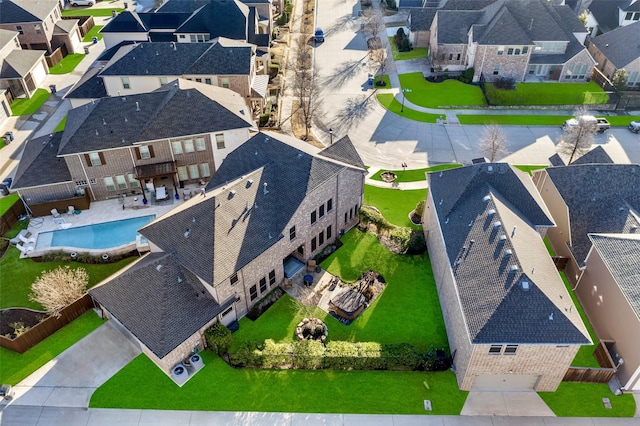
59,287
218,338
264,303
417,243
274,69
307,354
505,83
276,355
420,208
249,355
405,46
283,19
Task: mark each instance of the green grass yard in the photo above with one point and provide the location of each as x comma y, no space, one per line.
91,12
15,366
514,119
67,64
530,168
585,400
61,125
415,53
93,32
414,175
7,202
23,106
446,94
548,94
394,204
388,101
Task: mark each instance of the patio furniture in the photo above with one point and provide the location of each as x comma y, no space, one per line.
24,250
54,213
23,233
71,210
308,280
26,240
311,265
161,193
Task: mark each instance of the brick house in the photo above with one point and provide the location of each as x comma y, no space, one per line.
614,51
273,199
40,25
119,145
597,232
518,39
21,71
509,318
606,15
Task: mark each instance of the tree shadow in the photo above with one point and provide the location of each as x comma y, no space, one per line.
343,72
354,110
340,24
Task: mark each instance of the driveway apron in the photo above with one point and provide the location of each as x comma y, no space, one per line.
512,403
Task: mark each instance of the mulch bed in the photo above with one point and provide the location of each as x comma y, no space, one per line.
26,316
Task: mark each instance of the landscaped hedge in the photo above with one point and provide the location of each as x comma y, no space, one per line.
405,240
338,355
264,303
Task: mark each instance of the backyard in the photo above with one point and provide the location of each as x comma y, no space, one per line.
67,64
24,106
414,53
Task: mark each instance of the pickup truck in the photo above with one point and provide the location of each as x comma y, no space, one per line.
601,124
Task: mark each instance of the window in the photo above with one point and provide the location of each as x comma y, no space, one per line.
321,211
329,205
496,69
19,29
263,285
176,147
292,233
81,182
253,291
51,17
193,38
193,171
628,16
163,81
220,140
345,217
45,26
204,170
125,82
198,80
321,238
517,51
225,82
207,80
200,144
38,28
350,213
108,183
450,56
183,36
313,217
227,311
500,50
458,57
188,146
121,181
510,349
328,232
234,279
94,159
525,50
182,173
510,51
313,244
495,350
144,152
133,182
272,278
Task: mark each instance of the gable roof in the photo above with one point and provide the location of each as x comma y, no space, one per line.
181,305
620,46
19,62
177,6
606,12
7,36
621,255
40,165
489,215
126,22
180,109
21,11
343,150
90,86
219,18
421,18
594,206
248,204
597,155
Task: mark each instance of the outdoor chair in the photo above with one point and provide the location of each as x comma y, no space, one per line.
54,213
23,233
71,210
311,265
25,240
23,249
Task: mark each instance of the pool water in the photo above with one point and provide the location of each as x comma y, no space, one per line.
97,236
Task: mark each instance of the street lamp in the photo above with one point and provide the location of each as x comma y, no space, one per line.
404,91
331,135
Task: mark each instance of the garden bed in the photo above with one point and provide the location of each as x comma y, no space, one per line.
24,318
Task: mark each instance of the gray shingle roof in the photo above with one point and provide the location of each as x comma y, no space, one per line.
6,36
421,18
343,150
237,221
40,164
189,109
620,46
126,22
90,86
180,304
219,18
490,262
606,12
621,254
600,198
453,26
177,59
595,156
24,11
173,6
18,63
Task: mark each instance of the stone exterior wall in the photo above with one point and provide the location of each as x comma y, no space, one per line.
420,38
511,66
582,58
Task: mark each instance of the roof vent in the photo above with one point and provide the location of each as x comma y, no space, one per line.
137,106
256,153
266,139
440,203
97,132
193,220
458,262
124,99
122,141
255,205
173,44
187,233
503,237
491,212
232,193
490,168
126,120
440,175
514,268
508,252
158,267
157,53
525,285
270,235
264,188
633,228
551,316
179,280
621,209
513,231
486,198
104,122
446,220
471,223
299,155
497,224
250,182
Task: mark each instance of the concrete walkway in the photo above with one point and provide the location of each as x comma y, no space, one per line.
519,404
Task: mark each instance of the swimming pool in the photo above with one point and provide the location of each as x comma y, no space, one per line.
97,236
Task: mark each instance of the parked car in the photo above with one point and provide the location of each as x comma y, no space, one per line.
319,35
634,126
601,124
77,3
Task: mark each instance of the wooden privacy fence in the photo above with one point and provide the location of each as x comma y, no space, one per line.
594,375
81,202
55,57
47,327
11,216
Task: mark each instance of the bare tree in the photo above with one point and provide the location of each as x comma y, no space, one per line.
381,60
59,287
577,138
306,85
493,142
372,23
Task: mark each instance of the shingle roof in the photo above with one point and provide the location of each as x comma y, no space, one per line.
40,165
90,86
621,254
606,12
601,198
620,46
181,305
6,36
173,6
238,220
177,59
126,22
21,11
453,26
489,214
219,18
595,156
343,150
18,63
171,111
421,18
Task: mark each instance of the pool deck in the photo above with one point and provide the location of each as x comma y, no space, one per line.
99,212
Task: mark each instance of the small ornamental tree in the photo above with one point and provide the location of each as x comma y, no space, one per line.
59,287
219,338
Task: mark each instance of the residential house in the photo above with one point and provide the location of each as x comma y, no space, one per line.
517,39
121,145
597,155
593,223
509,318
606,15
21,71
274,201
89,88
40,25
190,22
619,49
144,67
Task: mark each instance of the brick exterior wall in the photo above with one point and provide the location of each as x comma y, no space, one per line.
30,39
511,66
582,58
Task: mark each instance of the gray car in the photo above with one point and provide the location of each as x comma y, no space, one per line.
634,126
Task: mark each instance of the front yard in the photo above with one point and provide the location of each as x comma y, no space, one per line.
548,94
435,95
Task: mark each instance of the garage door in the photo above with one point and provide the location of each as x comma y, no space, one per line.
504,381
39,73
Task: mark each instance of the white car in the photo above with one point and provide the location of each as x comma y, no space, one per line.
77,3
634,126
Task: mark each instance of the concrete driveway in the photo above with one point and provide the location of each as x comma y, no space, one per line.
70,379
524,403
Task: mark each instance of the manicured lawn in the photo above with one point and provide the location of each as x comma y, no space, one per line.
24,106
93,32
415,175
548,94
67,64
585,400
2,144
535,120
91,12
395,205
384,78
529,168
622,120
15,367
7,202
415,53
61,124
434,95
388,101
309,391
15,285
